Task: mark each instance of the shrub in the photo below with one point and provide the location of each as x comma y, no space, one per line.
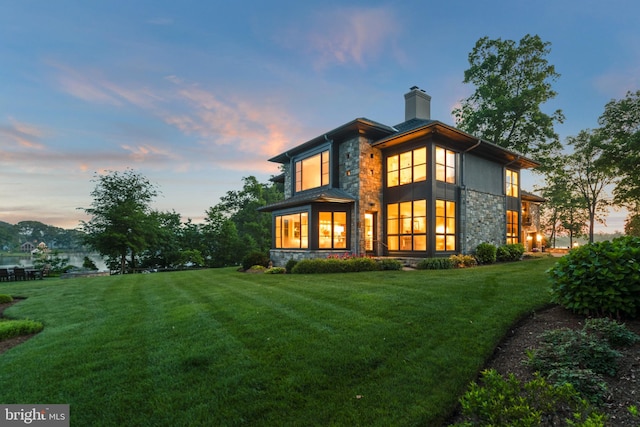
582,357
5,298
275,270
566,348
255,258
15,328
601,279
510,252
335,265
616,334
486,253
435,264
506,401
390,264
461,261
290,264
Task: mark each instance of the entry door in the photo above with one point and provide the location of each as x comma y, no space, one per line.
370,237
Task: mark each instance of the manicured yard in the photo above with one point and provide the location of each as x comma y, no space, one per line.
218,347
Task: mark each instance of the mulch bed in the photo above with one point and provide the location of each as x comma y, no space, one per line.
624,389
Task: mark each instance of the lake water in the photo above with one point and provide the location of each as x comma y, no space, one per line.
75,259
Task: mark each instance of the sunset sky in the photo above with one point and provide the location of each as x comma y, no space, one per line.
195,95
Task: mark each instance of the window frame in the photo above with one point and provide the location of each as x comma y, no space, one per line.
405,169
336,239
513,227
445,226
403,229
279,229
445,169
512,186
323,168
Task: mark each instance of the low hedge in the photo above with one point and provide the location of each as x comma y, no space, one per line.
16,328
333,265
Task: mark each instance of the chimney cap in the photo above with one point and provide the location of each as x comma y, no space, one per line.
416,88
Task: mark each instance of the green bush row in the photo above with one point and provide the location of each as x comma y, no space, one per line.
601,279
340,265
15,328
486,253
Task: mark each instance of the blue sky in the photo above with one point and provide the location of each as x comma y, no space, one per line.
195,95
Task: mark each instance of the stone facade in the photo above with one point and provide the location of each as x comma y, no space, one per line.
280,257
483,220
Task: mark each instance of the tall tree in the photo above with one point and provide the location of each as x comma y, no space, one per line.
590,176
620,124
564,211
512,81
120,223
253,227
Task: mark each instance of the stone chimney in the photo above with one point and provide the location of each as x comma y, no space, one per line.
417,104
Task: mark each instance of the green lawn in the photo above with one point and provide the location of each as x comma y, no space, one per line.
218,347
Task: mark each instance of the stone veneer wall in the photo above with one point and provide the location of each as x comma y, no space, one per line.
361,176
287,181
280,257
484,220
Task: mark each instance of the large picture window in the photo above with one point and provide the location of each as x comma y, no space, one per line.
312,172
332,230
445,165
292,231
408,167
407,226
511,183
513,229
445,225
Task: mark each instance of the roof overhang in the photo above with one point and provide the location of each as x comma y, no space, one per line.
462,141
360,126
322,195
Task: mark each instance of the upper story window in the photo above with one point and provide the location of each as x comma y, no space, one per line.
511,183
312,172
407,167
445,165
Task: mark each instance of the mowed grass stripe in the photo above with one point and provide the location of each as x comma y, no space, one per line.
217,347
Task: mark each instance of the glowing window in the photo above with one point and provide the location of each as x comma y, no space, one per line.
407,226
513,229
292,231
407,167
332,230
312,172
445,225
445,165
511,182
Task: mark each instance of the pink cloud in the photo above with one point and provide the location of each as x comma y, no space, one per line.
22,134
348,35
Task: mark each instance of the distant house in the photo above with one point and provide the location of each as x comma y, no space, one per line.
417,189
27,247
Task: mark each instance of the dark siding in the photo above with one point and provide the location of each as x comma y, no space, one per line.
483,175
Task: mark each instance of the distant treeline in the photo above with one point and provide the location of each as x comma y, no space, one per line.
13,236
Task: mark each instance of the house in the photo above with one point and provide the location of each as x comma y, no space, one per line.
27,247
421,188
